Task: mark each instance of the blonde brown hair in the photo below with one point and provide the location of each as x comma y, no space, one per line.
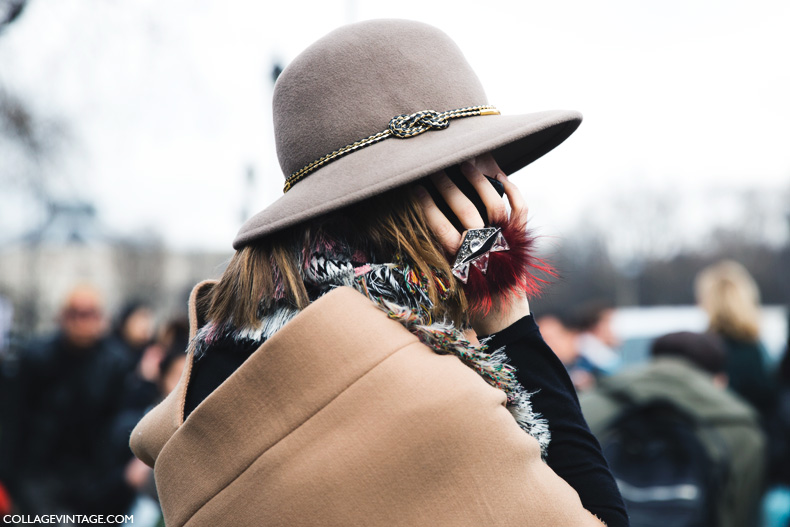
729,294
387,227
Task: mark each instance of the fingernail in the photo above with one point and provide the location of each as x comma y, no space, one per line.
466,166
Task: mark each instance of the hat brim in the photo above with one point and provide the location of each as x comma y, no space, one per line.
514,140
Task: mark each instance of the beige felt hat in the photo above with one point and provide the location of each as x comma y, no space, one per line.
379,104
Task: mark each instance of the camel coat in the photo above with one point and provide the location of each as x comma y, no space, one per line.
344,418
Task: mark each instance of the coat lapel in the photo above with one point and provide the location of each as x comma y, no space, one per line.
305,365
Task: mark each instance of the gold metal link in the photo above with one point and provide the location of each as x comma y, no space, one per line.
401,127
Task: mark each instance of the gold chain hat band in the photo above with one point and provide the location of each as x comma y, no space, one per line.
402,127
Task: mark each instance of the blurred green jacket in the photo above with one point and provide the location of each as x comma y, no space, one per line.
678,381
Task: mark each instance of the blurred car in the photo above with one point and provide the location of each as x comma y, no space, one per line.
638,326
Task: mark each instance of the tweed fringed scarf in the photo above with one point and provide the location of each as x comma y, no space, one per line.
402,292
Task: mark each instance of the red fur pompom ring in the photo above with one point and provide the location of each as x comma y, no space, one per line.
497,262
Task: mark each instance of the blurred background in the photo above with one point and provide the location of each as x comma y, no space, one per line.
136,137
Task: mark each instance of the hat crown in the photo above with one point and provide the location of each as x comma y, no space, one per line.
348,86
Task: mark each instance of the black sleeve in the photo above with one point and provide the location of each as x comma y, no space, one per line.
574,453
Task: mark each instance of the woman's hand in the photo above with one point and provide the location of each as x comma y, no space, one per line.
506,308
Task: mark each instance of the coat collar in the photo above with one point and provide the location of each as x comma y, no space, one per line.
294,374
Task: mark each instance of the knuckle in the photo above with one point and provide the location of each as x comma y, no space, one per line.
498,211
448,238
444,184
475,177
444,232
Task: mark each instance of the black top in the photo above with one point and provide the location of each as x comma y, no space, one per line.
574,453
65,456
209,371
748,374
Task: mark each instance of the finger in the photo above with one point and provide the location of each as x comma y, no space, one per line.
495,205
486,164
448,236
518,206
462,207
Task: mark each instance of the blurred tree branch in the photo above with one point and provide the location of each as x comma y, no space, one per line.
637,253
26,141
19,124
10,11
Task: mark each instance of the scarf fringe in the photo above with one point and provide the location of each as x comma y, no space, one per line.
269,325
493,367
401,292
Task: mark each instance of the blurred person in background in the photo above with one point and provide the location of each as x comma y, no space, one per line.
729,295
142,386
155,377
8,398
776,507
780,468
596,341
563,341
71,386
170,368
134,330
6,507
685,450
560,338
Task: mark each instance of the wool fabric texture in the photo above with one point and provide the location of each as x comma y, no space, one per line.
402,292
350,84
344,418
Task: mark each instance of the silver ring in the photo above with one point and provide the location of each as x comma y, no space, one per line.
475,249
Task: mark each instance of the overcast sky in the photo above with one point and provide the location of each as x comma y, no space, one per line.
168,102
